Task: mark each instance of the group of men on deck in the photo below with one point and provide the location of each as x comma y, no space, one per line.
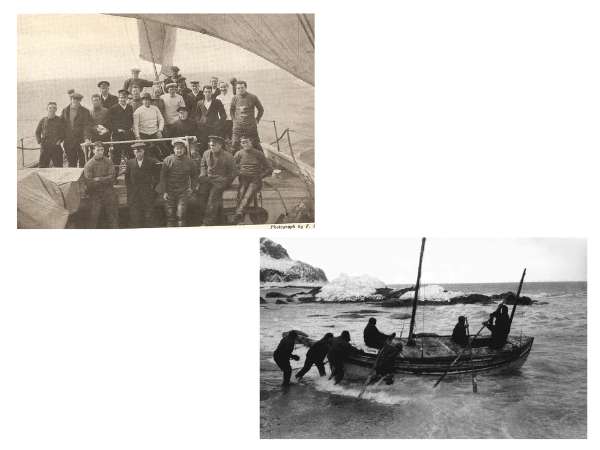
338,349
227,145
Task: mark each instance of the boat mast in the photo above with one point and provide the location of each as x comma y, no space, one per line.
517,299
411,339
151,52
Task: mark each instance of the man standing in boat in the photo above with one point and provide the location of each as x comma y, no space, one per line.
49,133
136,99
99,114
141,175
499,325
217,171
210,115
195,96
77,121
245,122
172,102
135,79
148,123
106,98
177,182
214,85
99,174
338,353
252,166
120,124
225,97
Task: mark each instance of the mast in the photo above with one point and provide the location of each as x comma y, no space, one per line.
517,299
411,340
151,52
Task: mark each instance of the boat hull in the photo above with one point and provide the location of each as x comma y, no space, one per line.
484,360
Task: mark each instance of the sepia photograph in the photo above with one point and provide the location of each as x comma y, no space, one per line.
423,338
165,120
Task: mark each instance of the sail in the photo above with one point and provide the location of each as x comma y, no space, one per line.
286,40
157,43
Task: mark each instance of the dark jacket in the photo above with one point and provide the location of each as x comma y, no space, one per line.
139,81
340,350
50,131
183,128
140,181
373,337
81,125
459,335
213,117
110,101
119,118
284,350
318,350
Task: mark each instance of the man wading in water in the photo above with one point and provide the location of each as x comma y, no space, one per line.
284,353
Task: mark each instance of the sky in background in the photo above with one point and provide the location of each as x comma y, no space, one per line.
445,260
93,45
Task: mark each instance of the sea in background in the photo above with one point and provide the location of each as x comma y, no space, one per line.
287,100
546,398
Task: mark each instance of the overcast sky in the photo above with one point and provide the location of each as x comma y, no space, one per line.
445,260
92,45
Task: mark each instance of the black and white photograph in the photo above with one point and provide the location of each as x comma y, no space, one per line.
429,338
154,120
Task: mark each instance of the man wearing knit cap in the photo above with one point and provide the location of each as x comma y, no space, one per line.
135,79
178,179
77,121
217,171
106,98
99,174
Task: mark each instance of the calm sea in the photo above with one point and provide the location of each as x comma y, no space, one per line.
287,100
545,399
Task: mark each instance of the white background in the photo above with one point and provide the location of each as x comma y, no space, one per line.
436,118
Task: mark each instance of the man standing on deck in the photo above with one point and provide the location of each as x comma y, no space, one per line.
49,133
178,179
252,166
373,337
148,123
135,79
172,101
184,126
315,355
77,121
106,98
210,116
214,85
141,175
245,122
195,96
226,97
136,99
338,353
217,171
99,174
120,123
283,353
99,114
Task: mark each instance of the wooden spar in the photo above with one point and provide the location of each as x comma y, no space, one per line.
151,52
517,299
411,340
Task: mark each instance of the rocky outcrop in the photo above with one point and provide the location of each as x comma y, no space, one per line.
276,266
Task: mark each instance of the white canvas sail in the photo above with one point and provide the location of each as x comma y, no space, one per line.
157,43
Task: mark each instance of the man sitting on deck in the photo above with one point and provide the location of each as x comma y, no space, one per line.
283,353
49,133
338,353
373,337
177,182
99,174
141,175
315,355
459,334
217,171
252,166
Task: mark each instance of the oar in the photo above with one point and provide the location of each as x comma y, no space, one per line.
457,358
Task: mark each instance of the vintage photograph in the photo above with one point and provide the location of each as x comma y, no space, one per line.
164,120
423,338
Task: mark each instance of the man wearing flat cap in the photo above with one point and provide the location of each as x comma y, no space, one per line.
120,120
135,79
106,98
178,178
141,175
99,174
172,101
217,171
77,120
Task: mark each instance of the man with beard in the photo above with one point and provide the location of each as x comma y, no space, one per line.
141,175
315,355
283,353
99,174
338,353
373,337
217,171
245,122
120,123
106,98
177,181
77,121
49,133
